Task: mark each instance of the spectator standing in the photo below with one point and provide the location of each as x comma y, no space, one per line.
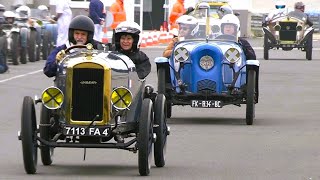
177,11
63,18
97,14
119,15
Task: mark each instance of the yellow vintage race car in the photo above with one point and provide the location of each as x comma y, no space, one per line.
97,101
287,32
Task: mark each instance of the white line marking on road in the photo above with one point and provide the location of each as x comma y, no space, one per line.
19,76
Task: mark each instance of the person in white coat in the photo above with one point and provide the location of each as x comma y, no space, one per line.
63,18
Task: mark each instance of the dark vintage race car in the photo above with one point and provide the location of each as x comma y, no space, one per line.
97,101
209,72
288,31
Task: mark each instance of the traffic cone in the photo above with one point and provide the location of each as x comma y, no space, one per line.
143,41
105,36
149,39
155,37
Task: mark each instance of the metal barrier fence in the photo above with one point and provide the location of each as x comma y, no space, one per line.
256,23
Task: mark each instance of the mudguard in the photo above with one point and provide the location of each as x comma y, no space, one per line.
269,35
307,35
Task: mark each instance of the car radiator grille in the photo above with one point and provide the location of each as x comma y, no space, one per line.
206,86
87,94
288,31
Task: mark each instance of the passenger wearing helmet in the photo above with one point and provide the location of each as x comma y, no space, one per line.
278,12
300,7
9,17
127,35
188,29
230,25
81,31
223,10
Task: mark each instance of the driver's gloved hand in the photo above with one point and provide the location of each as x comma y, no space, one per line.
61,54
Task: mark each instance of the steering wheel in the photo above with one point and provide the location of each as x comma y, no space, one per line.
73,47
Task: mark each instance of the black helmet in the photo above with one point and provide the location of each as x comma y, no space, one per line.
128,27
83,23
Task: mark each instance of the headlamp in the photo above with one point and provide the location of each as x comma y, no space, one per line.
206,62
181,54
52,98
232,55
121,98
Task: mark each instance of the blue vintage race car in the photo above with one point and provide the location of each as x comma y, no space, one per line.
209,71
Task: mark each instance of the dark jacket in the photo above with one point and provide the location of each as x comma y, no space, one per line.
3,63
247,48
96,11
51,66
141,60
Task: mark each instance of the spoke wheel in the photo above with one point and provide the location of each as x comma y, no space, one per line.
28,135
145,138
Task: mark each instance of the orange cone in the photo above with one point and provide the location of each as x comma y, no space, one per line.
149,39
105,36
143,41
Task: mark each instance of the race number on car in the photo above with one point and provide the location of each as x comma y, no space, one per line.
86,131
206,104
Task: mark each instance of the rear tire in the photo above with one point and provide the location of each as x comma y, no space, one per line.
145,137
250,110
32,45
266,48
15,48
46,47
28,135
160,120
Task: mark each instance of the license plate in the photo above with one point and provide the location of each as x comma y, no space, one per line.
86,131
206,104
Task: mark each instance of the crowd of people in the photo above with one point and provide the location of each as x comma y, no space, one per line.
88,29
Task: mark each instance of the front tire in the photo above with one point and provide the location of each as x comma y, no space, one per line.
309,49
250,110
46,151
15,47
32,45
28,135
145,137
266,48
160,146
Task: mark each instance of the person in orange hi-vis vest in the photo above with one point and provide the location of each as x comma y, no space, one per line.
119,15
177,11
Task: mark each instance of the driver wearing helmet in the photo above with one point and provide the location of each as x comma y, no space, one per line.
278,12
81,30
230,25
127,35
300,7
224,10
188,29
